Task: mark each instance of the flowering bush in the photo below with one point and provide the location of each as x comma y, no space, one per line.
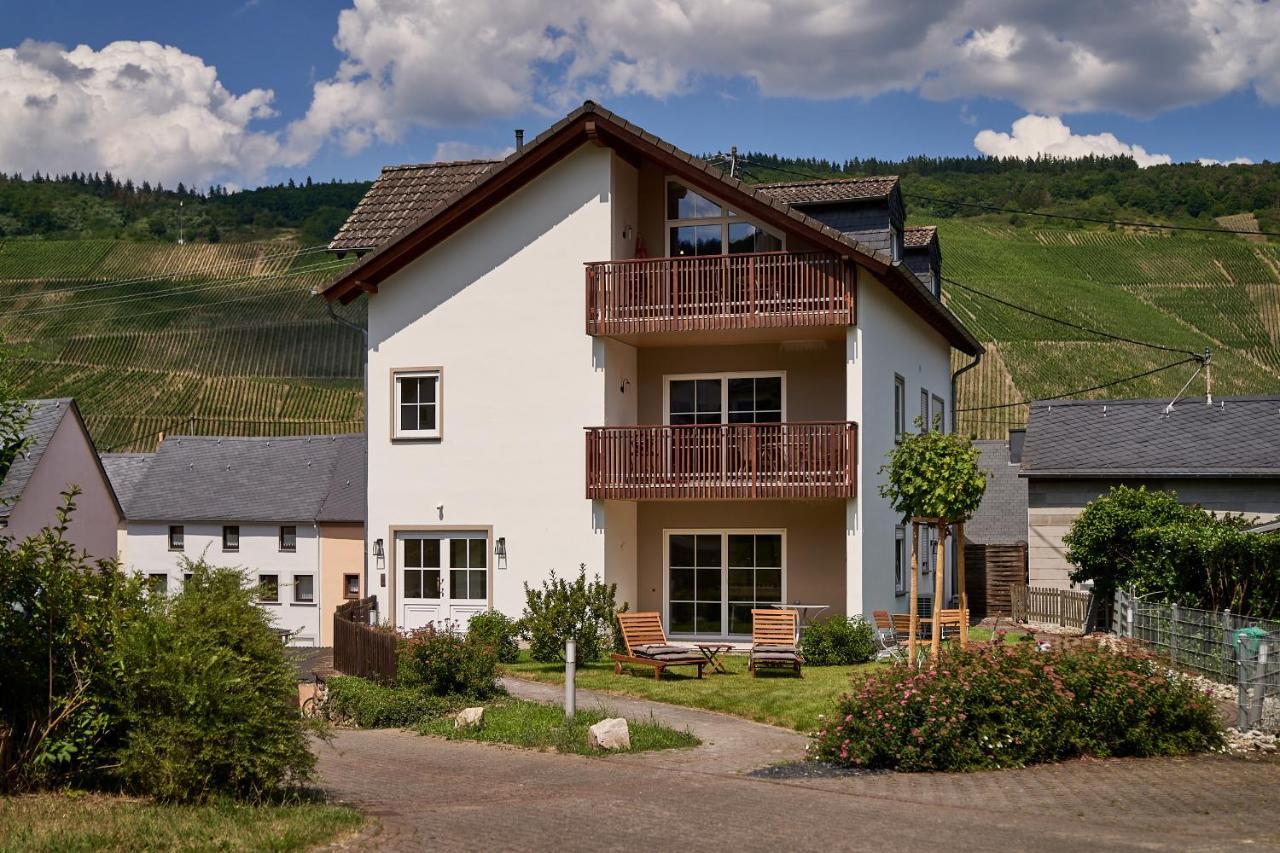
443,662
1000,705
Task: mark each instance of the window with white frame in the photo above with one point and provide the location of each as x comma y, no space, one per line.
938,418
177,537
269,589
158,583
735,398
468,567
230,537
895,243
698,225
288,537
901,561
924,410
715,579
304,589
899,407
417,404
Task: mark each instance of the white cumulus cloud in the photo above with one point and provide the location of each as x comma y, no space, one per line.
454,150
1034,135
1234,161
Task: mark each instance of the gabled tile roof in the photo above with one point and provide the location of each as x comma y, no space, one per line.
821,191
43,420
399,196
263,479
1236,436
918,236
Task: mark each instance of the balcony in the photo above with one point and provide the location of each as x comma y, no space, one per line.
723,461
715,292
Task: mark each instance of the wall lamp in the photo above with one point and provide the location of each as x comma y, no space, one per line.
500,552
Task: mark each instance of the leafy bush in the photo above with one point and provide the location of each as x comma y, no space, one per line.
581,609
1007,706
498,630
443,662
209,697
838,641
370,705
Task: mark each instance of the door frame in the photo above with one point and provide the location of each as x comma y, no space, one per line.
393,570
725,532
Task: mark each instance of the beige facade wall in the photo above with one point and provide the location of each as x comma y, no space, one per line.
1053,505
341,553
815,537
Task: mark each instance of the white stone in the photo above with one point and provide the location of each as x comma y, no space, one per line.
469,718
612,733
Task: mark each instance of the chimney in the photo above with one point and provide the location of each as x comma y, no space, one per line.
1017,440
519,139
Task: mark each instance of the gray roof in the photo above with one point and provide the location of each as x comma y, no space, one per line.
44,417
125,471
823,190
1002,517
263,479
1234,437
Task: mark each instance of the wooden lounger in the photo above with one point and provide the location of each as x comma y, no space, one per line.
773,640
647,646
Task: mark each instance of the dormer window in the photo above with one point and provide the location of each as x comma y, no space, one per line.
895,243
698,225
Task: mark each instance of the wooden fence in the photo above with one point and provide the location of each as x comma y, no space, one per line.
991,571
1067,608
360,648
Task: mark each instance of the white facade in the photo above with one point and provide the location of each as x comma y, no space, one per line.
497,309
148,554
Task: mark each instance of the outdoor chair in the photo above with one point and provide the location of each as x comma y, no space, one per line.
950,621
647,646
891,645
773,640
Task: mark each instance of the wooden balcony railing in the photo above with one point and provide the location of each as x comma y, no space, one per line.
718,461
740,291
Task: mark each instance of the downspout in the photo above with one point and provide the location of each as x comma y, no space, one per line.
364,335
954,380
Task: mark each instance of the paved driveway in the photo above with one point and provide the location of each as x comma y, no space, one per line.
431,794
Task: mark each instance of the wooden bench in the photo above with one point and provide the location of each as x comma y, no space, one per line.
644,630
773,640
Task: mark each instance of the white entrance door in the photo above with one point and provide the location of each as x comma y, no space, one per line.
444,577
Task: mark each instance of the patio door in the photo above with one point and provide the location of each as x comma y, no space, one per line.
714,578
444,577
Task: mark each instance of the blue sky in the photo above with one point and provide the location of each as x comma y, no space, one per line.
246,92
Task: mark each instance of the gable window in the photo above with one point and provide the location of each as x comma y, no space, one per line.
417,404
177,537
230,537
350,586
900,561
269,589
939,417
924,410
698,225
288,537
304,590
899,407
158,583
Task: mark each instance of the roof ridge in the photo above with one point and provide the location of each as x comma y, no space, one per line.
438,164
845,180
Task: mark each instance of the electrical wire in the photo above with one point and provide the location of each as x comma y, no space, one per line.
1078,391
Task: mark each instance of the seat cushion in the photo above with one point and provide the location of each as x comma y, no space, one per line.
767,647
653,650
778,656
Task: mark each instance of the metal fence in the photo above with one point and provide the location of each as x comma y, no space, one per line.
1222,646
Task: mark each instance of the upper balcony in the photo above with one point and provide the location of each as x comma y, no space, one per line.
758,290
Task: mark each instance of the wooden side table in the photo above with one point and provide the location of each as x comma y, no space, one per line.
712,652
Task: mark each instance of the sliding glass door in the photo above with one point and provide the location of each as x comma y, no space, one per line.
714,578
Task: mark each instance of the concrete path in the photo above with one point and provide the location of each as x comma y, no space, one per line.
729,744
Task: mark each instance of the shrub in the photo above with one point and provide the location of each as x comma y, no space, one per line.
443,662
210,699
498,630
838,641
1007,706
370,705
581,609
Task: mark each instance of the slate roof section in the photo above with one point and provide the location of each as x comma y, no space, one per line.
1002,517
830,189
1106,439
918,236
256,479
401,195
125,471
43,419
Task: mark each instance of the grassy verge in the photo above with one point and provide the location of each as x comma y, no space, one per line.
74,822
536,726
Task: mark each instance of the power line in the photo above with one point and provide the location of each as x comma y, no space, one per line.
1082,390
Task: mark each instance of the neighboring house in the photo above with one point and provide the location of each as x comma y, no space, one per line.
702,425
59,454
288,510
996,535
1224,456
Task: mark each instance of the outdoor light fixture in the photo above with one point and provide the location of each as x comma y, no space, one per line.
500,548
378,551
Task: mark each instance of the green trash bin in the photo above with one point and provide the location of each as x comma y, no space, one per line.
1247,641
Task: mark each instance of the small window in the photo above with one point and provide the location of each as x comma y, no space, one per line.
231,537
269,588
158,583
899,407
901,561
351,586
895,243
304,590
924,410
939,418
417,404
288,537
186,578
177,537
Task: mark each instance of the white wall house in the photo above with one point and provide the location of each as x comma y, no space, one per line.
600,351
279,509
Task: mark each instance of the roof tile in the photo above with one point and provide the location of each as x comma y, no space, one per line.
830,189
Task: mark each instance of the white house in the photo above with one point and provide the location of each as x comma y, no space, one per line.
603,351
289,511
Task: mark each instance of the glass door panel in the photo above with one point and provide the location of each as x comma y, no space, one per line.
422,568
755,576
695,584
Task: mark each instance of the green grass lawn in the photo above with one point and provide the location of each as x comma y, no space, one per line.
534,725
774,696
74,822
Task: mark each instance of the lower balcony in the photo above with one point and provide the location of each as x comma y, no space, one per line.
723,461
